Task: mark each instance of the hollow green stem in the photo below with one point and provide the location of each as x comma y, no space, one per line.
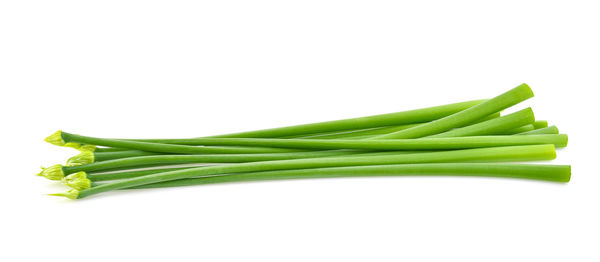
559,140
515,153
541,131
518,130
158,160
365,133
554,173
109,149
493,126
103,156
540,124
496,104
399,118
66,138
96,177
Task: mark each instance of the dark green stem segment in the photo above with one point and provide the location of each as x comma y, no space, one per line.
157,160
493,126
554,173
97,177
104,156
118,165
366,133
496,104
560,140
399,118
494,154
349,134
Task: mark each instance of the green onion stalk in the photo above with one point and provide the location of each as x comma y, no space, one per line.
390,119
492,154
444,143
483,128
554,173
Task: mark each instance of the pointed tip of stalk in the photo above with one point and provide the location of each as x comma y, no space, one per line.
57,140
54,172
71,194
83,158
78,181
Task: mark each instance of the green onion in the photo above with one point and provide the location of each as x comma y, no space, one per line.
194,159
518,130
399,118
496,104
560,140
364,133
493,126
515,153
541,131
129,174
540,124
554,173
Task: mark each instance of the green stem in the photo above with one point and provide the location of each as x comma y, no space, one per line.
496,104
540,124
103,156
518,130
541,131
96,177
399,118
157,160
555,173
365,133
109,149
516,153
559,140
493,126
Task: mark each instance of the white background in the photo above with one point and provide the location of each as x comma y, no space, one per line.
193,68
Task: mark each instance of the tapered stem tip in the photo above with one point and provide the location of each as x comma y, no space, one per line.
54,172
78,181
83,158
71,194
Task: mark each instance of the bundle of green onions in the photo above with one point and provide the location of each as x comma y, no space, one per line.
462,139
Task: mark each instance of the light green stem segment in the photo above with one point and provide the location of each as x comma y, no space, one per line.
540,124
542,131
518,130
493,126
495,154
560,140
526,128
555,173
496,104
399,118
